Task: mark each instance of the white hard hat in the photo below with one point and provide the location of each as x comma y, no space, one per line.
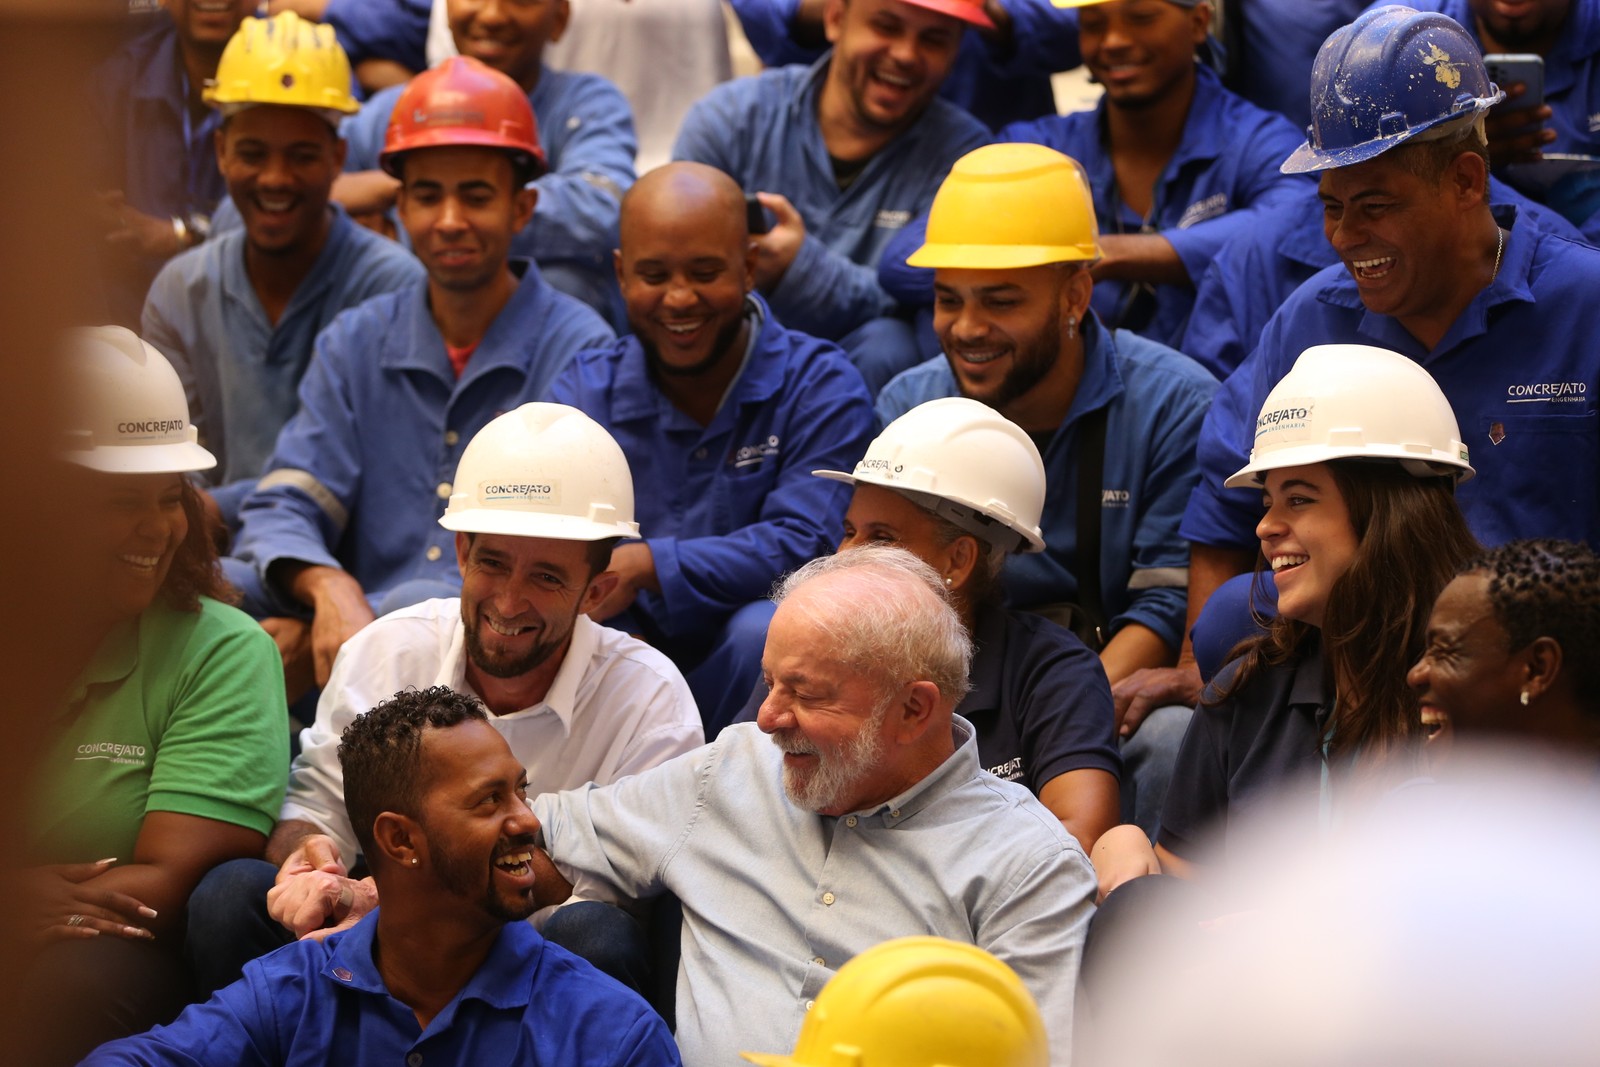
543,470
965,462
1356,402
129,415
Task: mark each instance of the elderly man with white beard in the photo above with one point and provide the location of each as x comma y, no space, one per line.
863,816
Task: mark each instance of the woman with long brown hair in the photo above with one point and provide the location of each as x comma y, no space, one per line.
169,751
1357,454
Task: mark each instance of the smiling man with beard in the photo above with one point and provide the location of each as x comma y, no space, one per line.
543,494
445,971
864,816
723,415
1011,239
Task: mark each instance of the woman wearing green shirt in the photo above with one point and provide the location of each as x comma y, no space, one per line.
169,753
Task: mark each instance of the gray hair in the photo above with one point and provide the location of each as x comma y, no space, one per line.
892,619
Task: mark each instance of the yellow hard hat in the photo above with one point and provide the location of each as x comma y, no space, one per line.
1010,205
920,1002
283,60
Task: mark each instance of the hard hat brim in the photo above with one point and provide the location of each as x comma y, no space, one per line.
179,458
971,14
770,1059
1309,159
999,257
1250,475
450,137
530,524
1031,538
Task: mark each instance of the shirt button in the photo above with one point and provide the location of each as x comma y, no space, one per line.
414,1060
433,553
444,490
827,898
699,453
810,1004
894,814
819,961
452,438
851,821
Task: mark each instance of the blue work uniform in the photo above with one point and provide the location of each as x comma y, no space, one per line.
1517,367
1226,162
764,132
586,131
1254,273
363,471
149,144
1273,45
382,29
325,1002
996,86
1155,399
240,370
730,507
1571,81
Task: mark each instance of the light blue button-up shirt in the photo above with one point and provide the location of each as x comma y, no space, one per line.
777,898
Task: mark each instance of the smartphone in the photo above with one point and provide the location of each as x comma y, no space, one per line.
758,218
1507,69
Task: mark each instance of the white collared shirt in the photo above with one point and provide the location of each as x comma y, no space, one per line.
615,707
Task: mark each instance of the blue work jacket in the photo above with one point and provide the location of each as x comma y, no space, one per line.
363,471
728,508
1518,366
763,131
1257,269
1155,399
323,1002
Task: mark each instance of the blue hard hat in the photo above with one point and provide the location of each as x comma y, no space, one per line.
1390,75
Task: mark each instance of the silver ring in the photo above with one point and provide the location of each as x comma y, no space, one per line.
76,920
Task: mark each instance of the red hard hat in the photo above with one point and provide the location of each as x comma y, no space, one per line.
462,102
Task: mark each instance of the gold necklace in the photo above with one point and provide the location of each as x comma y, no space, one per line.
1499,246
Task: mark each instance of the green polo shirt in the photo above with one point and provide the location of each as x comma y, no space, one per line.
178,711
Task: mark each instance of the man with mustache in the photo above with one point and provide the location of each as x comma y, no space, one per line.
543,495
863,816
445,971
723,415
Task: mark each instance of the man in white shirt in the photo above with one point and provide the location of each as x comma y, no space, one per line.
542,495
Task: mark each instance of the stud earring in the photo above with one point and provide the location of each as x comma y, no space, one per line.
1524,698
950,581
1072,328
415,861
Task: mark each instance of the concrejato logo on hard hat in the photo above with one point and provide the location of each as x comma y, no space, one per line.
151,428
885,468
545,492
447,116
1287,420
